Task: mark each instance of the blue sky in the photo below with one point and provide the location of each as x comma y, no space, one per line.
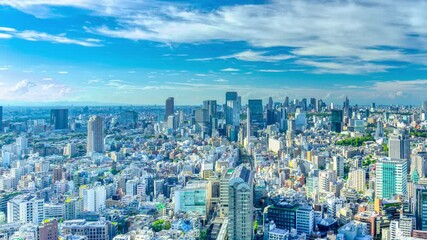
143,51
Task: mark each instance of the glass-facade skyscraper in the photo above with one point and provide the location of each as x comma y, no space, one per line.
391,178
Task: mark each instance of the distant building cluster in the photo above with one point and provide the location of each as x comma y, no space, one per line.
290,170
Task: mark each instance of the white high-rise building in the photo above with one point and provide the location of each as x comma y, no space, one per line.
94,198
399,145
326,177
338,165
25,209
240,204
95,135
357,180
21,146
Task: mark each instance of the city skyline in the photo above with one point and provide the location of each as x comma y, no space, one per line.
123,52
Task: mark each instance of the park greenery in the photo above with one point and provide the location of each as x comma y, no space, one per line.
355,142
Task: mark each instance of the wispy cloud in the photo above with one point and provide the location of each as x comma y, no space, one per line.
29,35
230,70
271,70
356,34
250,56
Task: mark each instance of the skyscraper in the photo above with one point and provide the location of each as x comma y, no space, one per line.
399,145
240,204
336,120
211,106
233,97
270,103
169,107
230,96
424,106
421,207
256,111
95,135
391,178
1,119
233,113
59,118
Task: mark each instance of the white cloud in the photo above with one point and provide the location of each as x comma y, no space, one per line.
63,72
23,86
4,68
250,56
5,36
221,80
348,33
7,32
230,70
344,68
7,29
40,36
271,70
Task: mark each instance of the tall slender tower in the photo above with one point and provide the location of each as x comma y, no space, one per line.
169,107
95,135
248,123
240,204
1,119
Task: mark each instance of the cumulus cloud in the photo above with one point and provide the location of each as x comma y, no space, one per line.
328,36
23,86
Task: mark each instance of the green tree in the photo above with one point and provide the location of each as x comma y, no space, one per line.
158,225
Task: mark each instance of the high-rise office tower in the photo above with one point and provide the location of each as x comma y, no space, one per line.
248,123
59,118
129,119
338,165
95,135
286,103
399,145
336,120
419,164
240,204
379,131
223,190
201,116
211,106
1,119
233,113
169,109
230,96
256,111
391,178
312,104
424,106
270,117
270,103
420,203
346,104
319,105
